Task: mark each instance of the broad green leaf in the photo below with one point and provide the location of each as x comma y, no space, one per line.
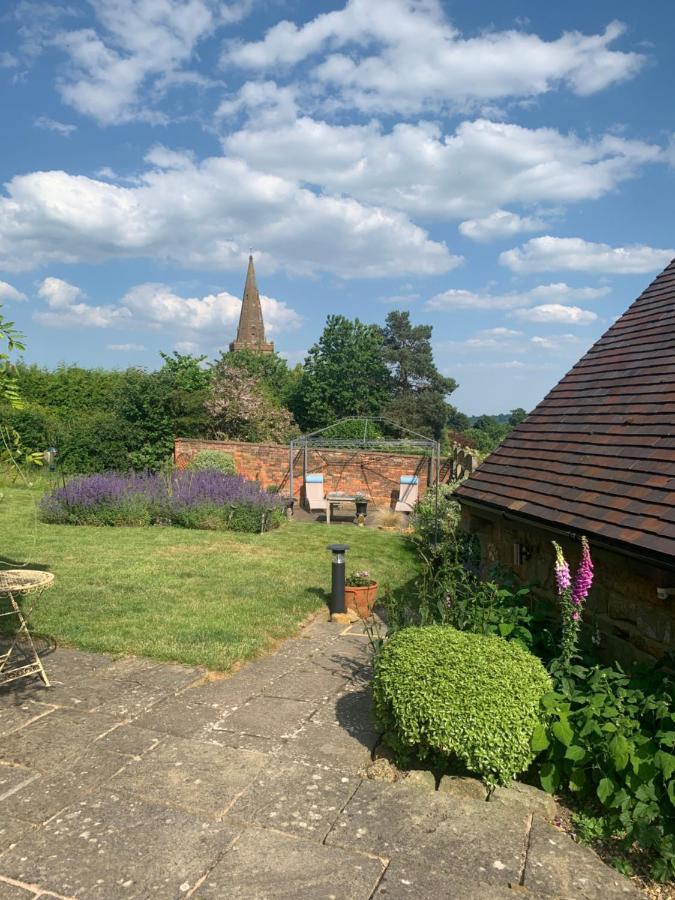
666,762
575,753
549,777
563,732
605,789
539,739
577,779
505,628
619,750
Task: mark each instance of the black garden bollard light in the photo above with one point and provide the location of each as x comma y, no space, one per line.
337,597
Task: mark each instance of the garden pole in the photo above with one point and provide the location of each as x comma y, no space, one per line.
337,597
290,469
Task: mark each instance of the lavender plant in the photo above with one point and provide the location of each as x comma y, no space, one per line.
207,499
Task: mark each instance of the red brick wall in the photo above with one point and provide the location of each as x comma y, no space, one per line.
374,474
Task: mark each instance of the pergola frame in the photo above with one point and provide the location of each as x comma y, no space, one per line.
315,440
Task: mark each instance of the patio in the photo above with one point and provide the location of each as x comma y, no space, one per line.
133,778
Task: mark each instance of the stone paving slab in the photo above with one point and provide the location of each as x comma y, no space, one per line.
11,829
52,741
298,798
46,795
269,717
185,716
265,864
404,878
341,733
12,892
15,716
129,740
110,846
477,841
558,867
12,779
312,684
190,776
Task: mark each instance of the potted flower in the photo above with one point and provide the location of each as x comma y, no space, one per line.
360,593
361,502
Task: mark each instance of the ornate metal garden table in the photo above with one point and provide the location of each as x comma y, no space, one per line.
15,583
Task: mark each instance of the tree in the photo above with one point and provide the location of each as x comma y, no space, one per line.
419,390
457,421
241,409
12,448
344,375
269,369
516,416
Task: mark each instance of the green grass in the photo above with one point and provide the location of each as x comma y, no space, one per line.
198,597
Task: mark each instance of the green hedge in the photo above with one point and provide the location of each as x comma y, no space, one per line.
441,694
213,461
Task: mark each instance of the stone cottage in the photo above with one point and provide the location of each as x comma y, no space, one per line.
597,457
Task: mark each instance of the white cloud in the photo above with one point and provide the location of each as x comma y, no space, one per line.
550,254
501,223
9,292
207,215
127,348
556,313
458,298
554,342
157,307
119,69
422,171
48,124
404,56
67,307
187,347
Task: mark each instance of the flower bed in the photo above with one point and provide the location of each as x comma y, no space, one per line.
190,499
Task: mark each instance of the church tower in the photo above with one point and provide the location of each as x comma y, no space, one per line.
251,330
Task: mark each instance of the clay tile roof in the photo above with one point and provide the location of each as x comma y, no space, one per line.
597,456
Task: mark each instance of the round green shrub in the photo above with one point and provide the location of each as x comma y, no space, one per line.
442,693
213,460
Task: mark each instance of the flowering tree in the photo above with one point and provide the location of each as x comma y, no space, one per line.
572,596
241,409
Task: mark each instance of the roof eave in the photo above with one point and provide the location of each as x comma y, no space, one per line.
651,557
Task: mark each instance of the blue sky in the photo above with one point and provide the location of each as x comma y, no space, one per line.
504,170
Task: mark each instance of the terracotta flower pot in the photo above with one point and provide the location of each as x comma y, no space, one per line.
361,599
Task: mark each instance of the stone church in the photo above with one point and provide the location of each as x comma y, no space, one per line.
251,330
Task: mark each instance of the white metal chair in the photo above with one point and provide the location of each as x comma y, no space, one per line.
314,493
407,494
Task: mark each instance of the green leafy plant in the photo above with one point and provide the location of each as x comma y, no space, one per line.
213,461
609,738
443,695
359,579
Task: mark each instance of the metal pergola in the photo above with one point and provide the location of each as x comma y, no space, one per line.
412,441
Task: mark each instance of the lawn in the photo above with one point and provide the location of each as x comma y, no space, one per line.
198,597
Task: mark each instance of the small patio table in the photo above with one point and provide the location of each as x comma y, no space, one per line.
14,583
336,497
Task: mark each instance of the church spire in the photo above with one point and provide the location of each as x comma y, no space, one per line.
251,330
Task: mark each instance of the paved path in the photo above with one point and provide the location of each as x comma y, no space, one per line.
135,779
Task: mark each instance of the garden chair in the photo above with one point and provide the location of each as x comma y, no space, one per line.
407,494
314,495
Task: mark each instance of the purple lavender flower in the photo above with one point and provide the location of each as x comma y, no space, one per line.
101,499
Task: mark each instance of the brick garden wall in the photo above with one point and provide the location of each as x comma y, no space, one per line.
374,474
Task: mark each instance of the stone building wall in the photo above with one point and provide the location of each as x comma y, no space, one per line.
634,623
375,474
